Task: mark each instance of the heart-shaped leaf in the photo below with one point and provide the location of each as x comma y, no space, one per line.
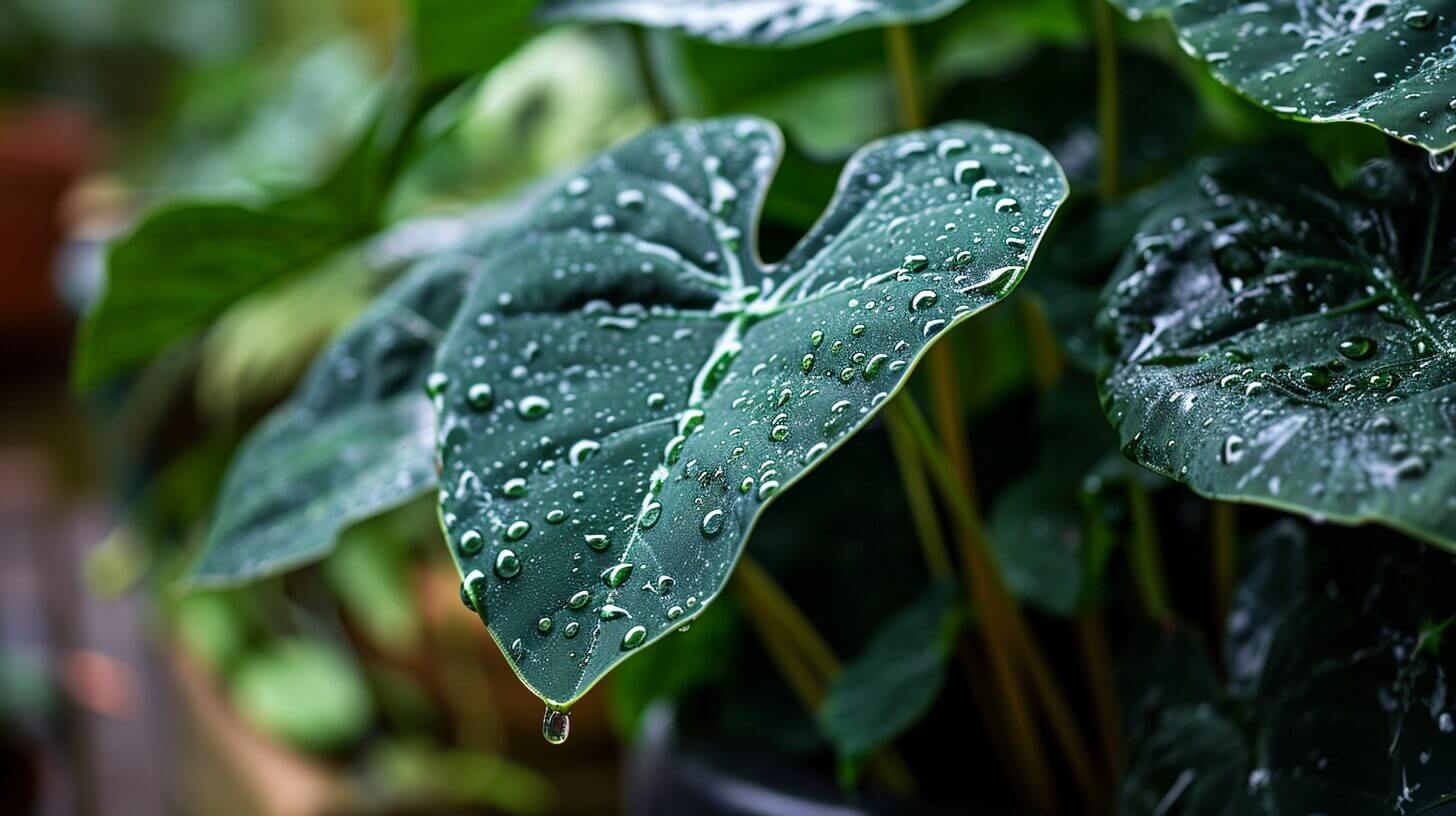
357,438
754,22
1336,700
1386,64
628,383
1282,342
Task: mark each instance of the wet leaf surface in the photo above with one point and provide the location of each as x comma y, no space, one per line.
1337,698
628,383
355,440
1279,341
1386,64
758,22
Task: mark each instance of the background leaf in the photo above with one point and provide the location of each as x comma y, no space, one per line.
1282,342
1385,64
889,687
1337,696
354,441
763,22
630,383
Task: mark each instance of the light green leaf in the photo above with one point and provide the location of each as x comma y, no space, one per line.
630,384
354,441
892,684
186,263
1385,64
305,693
761,22
1282,342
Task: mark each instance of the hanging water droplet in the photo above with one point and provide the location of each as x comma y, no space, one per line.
556,726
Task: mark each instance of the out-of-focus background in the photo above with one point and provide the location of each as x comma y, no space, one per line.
358,685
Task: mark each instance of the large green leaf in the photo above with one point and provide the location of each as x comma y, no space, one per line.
1337,698
896,680
1282,342
629,383
755,22
357,438
1386,64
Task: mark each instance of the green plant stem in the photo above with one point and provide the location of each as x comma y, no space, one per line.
1146,557
917,497
1097,660
802,656
647,75
1108,103
900,50
1224,534
1047,365
998,614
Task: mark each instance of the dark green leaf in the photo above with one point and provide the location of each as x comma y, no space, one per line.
896,680
631,370
763,22
1337,700
1385,64
1281,342
357,438
1051,529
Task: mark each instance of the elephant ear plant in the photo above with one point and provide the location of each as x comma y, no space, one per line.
605,389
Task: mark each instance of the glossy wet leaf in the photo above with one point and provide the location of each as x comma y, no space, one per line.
1386,64
356,439
630,384
1337,698
757,22
897,678
1282,342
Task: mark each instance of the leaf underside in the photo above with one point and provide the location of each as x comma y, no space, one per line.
1336,700
628,384
354,441
1385,64
1282,342
755,22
